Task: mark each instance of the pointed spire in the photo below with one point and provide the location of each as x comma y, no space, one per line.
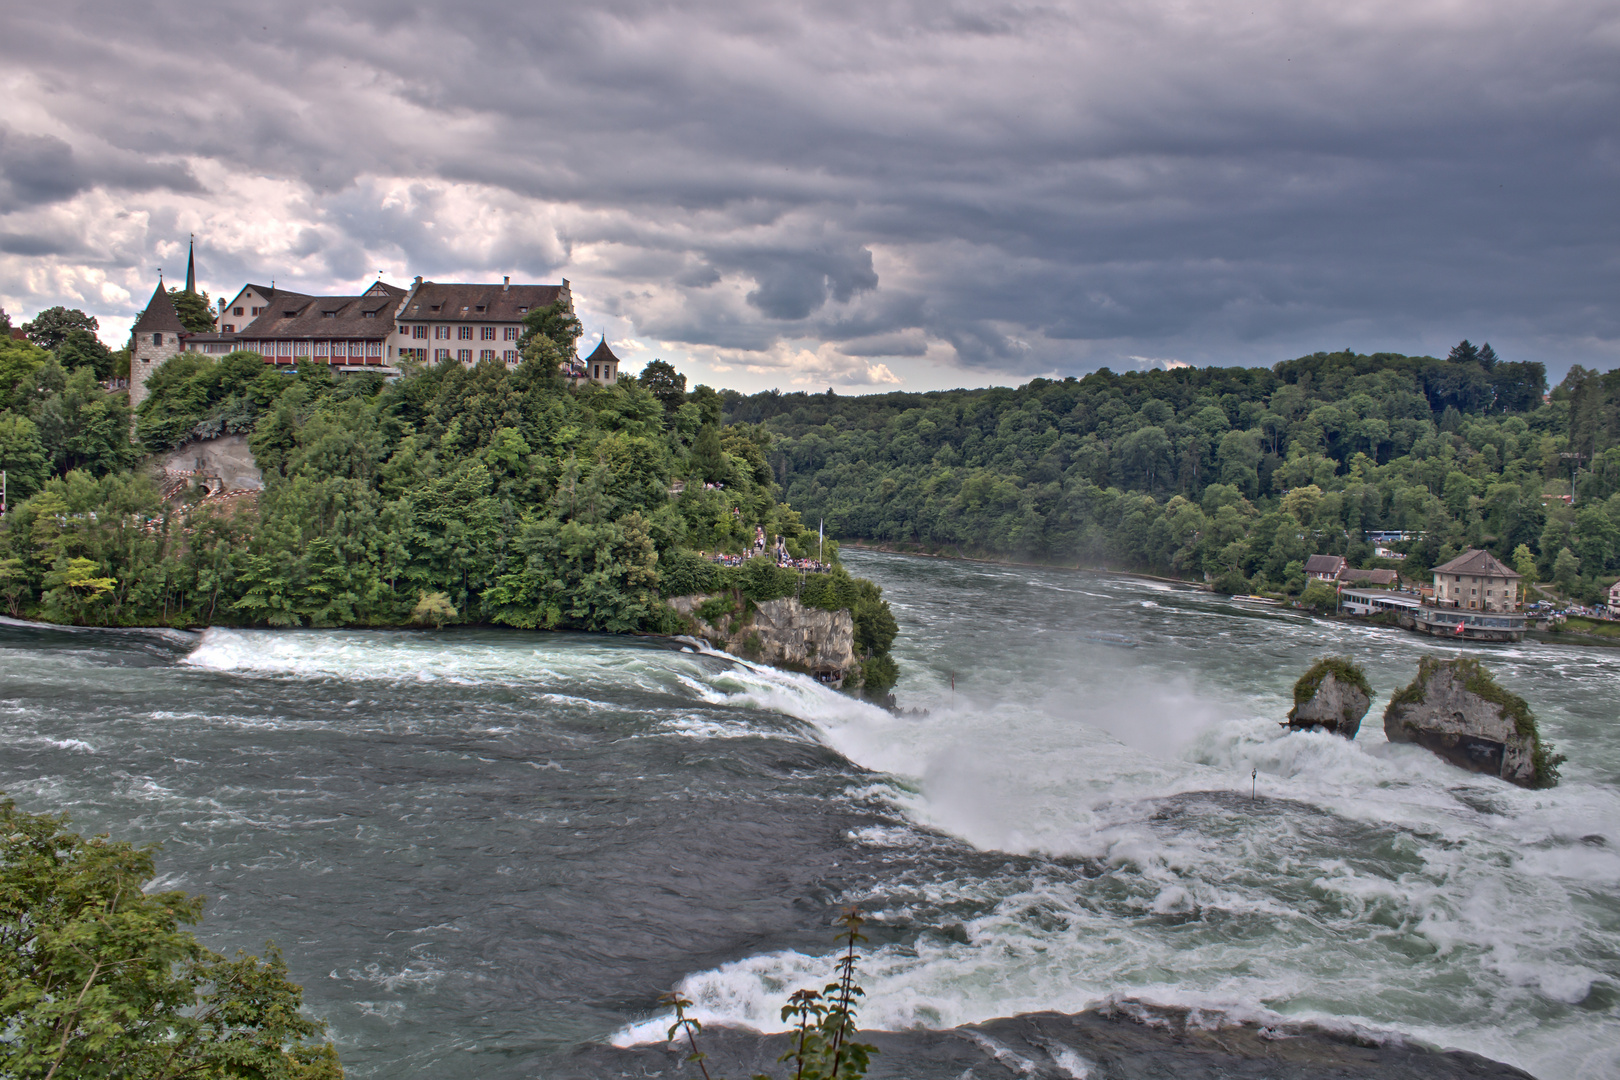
159,313
191,266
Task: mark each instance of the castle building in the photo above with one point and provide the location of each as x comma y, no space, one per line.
346,331
469,323
156,336
430,322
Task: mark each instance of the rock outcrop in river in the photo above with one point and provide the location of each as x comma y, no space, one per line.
1333,694
783,633
1126,1041
1457,710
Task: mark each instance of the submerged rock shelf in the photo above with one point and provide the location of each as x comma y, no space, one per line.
1127,1041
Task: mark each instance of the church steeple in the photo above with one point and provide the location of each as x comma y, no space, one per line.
191,266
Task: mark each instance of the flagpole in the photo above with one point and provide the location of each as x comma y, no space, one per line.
821,533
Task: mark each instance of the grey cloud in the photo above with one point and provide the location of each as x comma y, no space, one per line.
36,169
1059,183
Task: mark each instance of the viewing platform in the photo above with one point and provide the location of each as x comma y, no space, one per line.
1466,625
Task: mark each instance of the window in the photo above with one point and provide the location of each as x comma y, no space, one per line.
464,333
229,329
441,354
302,349
330,314
510,356
441,333
487,354
257,310
236,311
419,332
511,333
369,314
486,333
598,372
464,355
157,339
323,348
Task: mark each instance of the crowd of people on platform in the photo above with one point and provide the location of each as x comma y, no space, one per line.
779,552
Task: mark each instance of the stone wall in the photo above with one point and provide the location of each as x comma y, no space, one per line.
783,633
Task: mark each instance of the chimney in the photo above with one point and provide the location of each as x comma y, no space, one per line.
418,281
506,283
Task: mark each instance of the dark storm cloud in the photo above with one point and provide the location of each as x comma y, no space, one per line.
1038,186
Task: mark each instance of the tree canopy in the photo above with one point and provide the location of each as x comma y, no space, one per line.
196,311
51,327
1235,475
99,978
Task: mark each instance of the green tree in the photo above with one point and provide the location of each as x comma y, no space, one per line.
666,384
555,322
81,348
196,312
99,980
22,456
51,327
1319,596
1524,561
1566,567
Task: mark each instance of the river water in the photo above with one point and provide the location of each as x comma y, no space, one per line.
480,848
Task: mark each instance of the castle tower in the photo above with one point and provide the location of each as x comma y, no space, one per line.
155,338
191,266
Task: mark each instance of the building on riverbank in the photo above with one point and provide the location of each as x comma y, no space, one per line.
1476,598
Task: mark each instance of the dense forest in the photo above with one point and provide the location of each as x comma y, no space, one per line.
451,494
1234,475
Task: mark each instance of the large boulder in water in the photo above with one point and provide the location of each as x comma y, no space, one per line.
1334,695
1457,710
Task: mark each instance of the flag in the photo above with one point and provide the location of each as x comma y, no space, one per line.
1459,626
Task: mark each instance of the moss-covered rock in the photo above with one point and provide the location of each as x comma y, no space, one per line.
1334,694
1456,709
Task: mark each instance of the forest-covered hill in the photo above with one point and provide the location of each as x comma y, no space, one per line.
1234,473
452,494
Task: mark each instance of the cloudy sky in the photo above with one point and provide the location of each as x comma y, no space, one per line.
865,193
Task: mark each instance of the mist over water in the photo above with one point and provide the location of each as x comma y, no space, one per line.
478,848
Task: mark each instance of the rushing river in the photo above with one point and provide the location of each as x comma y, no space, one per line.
480,848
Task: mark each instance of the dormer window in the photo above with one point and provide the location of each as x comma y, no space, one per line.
289,314
523,311
480,307
370,314
434,307
330,314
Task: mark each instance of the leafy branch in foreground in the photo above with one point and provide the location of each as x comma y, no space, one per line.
99,982
824,1045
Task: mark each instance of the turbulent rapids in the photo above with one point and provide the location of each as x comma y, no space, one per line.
480,849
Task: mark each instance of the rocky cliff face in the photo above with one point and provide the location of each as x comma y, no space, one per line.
1455,709
1332,695
783,633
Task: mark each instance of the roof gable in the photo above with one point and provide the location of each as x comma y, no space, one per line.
159,314
1476,563
602,354
460,302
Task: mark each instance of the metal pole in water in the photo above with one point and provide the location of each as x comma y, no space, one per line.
1254,782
